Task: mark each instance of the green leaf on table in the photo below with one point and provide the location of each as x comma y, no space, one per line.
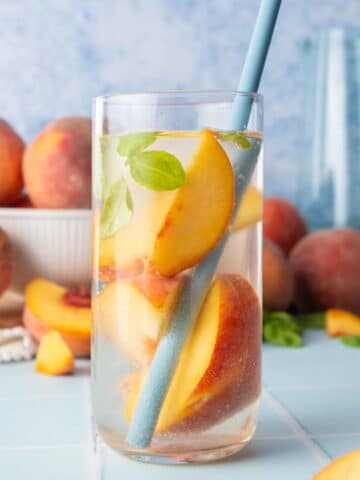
157,170
312,320
117,209
133,143
281,328
236,137
274,333
351,340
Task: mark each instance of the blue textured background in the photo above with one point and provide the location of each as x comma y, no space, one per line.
56,55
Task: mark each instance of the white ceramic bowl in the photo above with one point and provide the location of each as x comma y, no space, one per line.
54,244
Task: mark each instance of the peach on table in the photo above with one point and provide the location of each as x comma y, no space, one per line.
47,308
54,357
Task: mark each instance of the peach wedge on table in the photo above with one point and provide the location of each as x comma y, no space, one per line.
218,370
132,313
54,357
179,229
49,306
346,467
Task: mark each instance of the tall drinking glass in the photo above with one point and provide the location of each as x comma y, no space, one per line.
165,196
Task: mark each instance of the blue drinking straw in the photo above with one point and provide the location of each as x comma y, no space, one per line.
192,296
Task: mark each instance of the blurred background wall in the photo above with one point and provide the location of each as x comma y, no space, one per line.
58,54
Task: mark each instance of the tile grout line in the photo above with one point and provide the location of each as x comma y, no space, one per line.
40,396
75,446
300,433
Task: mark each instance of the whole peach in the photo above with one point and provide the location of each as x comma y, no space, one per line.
277,278
11,152
326,268
57,165
6,261
283,223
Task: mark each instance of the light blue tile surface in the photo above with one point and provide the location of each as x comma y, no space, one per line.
49,464
270,423
337,446
305,421
42,421
15,381
323,411
320,362
262,460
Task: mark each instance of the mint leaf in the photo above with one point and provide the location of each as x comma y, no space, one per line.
157,170
117,210
351,340
133,143
236,137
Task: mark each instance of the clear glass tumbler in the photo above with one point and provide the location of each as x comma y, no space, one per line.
177,208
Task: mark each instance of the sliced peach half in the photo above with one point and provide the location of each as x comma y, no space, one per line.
180,227
132,313
49,306
219,368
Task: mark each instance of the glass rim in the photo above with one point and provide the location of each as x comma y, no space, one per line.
144,98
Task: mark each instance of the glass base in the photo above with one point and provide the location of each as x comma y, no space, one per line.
218,443
201,456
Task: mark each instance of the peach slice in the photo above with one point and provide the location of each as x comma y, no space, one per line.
346,467
251,208
219,368
133,313
125,252
191,227
54,356
49,306
179,228
339,322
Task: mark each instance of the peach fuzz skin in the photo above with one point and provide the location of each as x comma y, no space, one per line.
57,165
11,152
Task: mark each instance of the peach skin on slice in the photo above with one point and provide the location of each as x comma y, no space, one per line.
200,211
49,306
346,467
54,356
219,368
132,313
251,208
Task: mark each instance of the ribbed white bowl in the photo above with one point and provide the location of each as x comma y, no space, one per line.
54,244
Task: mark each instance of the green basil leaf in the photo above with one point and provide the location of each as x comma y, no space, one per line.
157,170
133,143
237,137
312,320
351,340
283,320
117,209
273,333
